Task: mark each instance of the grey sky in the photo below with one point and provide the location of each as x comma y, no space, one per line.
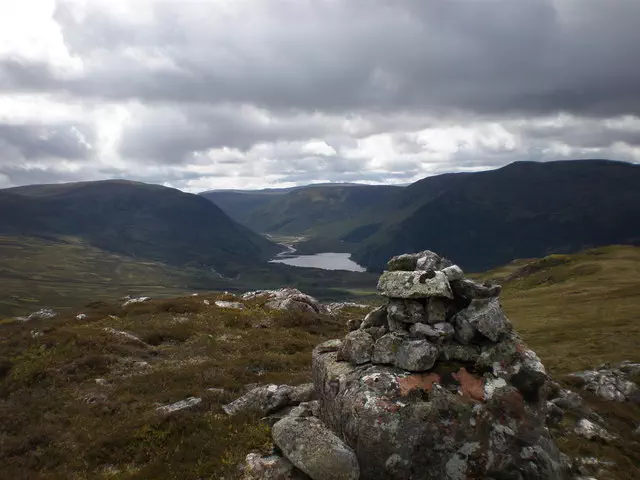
256,93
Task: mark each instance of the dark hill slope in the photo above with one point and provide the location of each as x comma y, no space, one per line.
135,219
525,209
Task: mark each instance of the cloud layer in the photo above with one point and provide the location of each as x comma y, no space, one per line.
254,93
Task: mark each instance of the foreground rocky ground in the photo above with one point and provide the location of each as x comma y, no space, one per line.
146,390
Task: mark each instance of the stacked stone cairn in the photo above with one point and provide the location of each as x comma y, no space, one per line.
435,384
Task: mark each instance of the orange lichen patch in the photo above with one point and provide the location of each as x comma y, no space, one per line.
418,381
470,385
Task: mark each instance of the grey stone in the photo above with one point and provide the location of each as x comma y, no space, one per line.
271,467
486,316
181,405
454,272
436,310
470,290
375,318
290,299
589,430
461,353
357,347
387,347
464,331
414,285
231,305
268,399
429,260
610,384
313,448
416,355
568,400
405,262
377,332
405,311
438,333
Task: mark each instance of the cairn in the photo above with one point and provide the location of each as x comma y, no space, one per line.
435,384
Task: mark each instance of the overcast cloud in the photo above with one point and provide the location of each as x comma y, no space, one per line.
262,93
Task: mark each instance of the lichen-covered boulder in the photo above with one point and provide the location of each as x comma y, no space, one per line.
267,399
434,425
315,449
290,299
417,284
486,316
357,347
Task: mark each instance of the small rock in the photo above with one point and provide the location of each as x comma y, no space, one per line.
272,467
131,300
464,331
589,430
375,318
454,272
416,355
125,335
567,400
232,305
43,314
438,333
267,399
470,290
357,347
181,405
315,450
461,353
81,316
436,310
486,316
405,311
386,348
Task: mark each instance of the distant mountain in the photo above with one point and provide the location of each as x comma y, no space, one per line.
525,209
483,219
308,210
135,219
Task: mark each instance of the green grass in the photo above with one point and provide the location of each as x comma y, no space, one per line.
37,273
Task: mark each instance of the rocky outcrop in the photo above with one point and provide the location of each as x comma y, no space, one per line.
435,384
611,382
290,299
268,399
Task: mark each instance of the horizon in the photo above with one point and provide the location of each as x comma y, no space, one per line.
214,95
312,183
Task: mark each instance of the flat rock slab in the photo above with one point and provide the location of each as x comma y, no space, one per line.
416,284
315,449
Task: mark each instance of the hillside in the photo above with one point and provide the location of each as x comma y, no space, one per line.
79,401
141,221
525,209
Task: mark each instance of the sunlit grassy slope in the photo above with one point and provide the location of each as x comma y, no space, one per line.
576,310
59,423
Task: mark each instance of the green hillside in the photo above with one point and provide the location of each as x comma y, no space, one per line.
145,222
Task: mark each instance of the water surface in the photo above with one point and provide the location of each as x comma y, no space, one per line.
326,261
